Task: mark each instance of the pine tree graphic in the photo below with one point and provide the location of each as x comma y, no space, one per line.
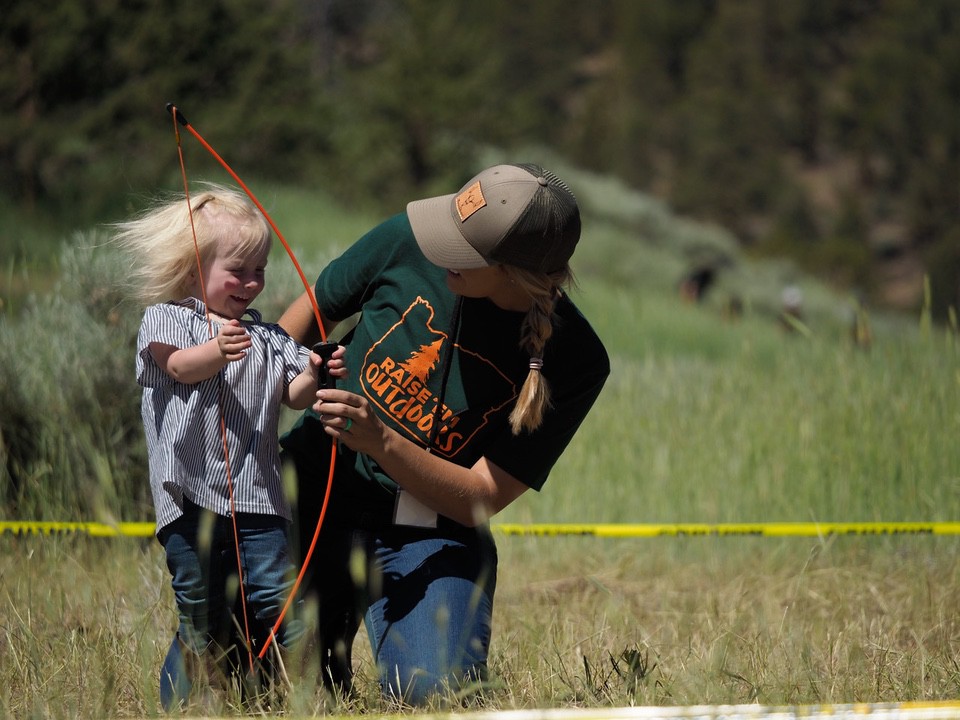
423,361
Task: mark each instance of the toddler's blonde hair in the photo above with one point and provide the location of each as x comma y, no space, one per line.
160,243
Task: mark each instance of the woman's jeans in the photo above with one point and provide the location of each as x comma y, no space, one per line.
430,628
202,558
425,596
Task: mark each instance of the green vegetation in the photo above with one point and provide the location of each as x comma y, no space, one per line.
708,417
826,130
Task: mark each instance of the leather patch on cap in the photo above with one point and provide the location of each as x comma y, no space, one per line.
470,200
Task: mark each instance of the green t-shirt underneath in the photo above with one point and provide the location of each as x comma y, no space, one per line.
397,351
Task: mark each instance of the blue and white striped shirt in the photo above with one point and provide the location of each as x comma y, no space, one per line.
182,422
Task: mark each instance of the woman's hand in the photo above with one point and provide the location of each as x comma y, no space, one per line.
468,495
348,418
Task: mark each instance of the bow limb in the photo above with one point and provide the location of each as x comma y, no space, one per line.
178,116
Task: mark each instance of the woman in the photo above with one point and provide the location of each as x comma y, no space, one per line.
467,374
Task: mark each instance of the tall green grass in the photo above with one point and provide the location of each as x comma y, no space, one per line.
705,418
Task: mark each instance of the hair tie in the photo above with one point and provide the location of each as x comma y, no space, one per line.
536,364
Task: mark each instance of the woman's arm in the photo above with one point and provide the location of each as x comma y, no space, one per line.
300,322
468,495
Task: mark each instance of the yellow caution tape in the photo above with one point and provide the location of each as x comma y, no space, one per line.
94,529
605,530
768,529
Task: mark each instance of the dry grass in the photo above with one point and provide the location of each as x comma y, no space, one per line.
579,622
737,621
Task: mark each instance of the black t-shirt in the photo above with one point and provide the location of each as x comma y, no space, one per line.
397,352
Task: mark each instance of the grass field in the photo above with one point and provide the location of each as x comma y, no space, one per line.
579,622
705,419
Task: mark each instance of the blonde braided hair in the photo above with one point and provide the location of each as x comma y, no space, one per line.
536,329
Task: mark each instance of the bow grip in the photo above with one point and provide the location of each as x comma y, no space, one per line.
324,350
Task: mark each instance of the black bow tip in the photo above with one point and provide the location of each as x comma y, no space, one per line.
175,111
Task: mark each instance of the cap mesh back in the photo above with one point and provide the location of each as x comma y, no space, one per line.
545,235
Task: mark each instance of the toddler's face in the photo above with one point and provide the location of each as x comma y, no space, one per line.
233,282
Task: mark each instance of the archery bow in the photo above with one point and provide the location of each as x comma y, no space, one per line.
178,117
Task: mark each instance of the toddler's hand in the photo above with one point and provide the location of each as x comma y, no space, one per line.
336,367
233,341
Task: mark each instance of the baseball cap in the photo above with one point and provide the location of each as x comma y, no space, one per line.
518,215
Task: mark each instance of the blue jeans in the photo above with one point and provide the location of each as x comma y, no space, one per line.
430,627
425,597
202,558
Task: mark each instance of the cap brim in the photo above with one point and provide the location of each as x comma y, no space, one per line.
438,234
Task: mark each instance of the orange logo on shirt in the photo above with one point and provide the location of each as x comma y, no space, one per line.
398,385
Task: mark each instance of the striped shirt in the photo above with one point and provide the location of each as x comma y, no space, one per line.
182,422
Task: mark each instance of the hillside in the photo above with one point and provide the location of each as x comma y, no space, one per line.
631,260
822,131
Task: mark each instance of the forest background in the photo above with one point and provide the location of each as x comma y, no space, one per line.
825,130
